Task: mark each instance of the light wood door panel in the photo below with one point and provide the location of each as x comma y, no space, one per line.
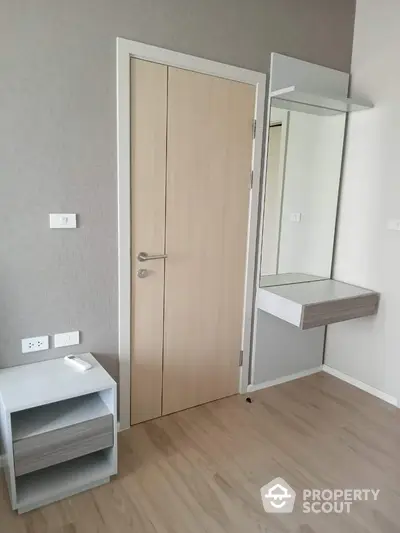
208,176
148,165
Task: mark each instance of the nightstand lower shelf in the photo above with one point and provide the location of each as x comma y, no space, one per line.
63,480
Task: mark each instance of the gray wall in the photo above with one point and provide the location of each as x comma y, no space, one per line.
58,138
367,253
282,349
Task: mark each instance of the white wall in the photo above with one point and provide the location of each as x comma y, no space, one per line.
312,176
367,253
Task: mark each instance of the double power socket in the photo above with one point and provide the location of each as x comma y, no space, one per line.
37,344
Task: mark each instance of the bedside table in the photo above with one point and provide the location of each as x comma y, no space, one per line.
58,429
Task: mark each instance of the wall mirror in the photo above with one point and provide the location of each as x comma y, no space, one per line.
308,106
307,111
305,146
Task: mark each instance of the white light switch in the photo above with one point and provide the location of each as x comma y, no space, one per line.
62,220
394,225
295,217
66,339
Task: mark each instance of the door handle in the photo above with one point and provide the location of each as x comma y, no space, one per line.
143,256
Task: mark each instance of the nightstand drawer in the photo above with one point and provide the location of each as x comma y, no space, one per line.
53,447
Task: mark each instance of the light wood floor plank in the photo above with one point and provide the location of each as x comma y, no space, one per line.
201,470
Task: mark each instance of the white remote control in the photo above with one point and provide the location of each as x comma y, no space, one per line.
77,363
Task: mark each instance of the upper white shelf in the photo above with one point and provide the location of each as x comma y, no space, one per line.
295,100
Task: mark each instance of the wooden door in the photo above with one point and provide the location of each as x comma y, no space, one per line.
148,167
208,175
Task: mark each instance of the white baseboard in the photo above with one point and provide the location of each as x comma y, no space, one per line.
284,379
361,385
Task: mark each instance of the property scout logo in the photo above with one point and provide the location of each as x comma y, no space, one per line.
279,497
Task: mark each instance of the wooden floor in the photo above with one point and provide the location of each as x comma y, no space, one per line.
201,470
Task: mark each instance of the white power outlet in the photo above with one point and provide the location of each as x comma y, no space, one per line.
35,344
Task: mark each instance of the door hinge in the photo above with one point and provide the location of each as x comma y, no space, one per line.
251,179
241,358
254,128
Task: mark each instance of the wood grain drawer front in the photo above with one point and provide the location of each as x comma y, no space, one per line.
53,447
324,313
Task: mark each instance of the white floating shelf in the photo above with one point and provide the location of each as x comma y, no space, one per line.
295,100
317,303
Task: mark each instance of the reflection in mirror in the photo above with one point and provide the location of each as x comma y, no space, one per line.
302,185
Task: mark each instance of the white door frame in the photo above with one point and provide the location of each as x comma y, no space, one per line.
125,51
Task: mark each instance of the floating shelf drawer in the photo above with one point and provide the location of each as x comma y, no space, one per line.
317,303
61,431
